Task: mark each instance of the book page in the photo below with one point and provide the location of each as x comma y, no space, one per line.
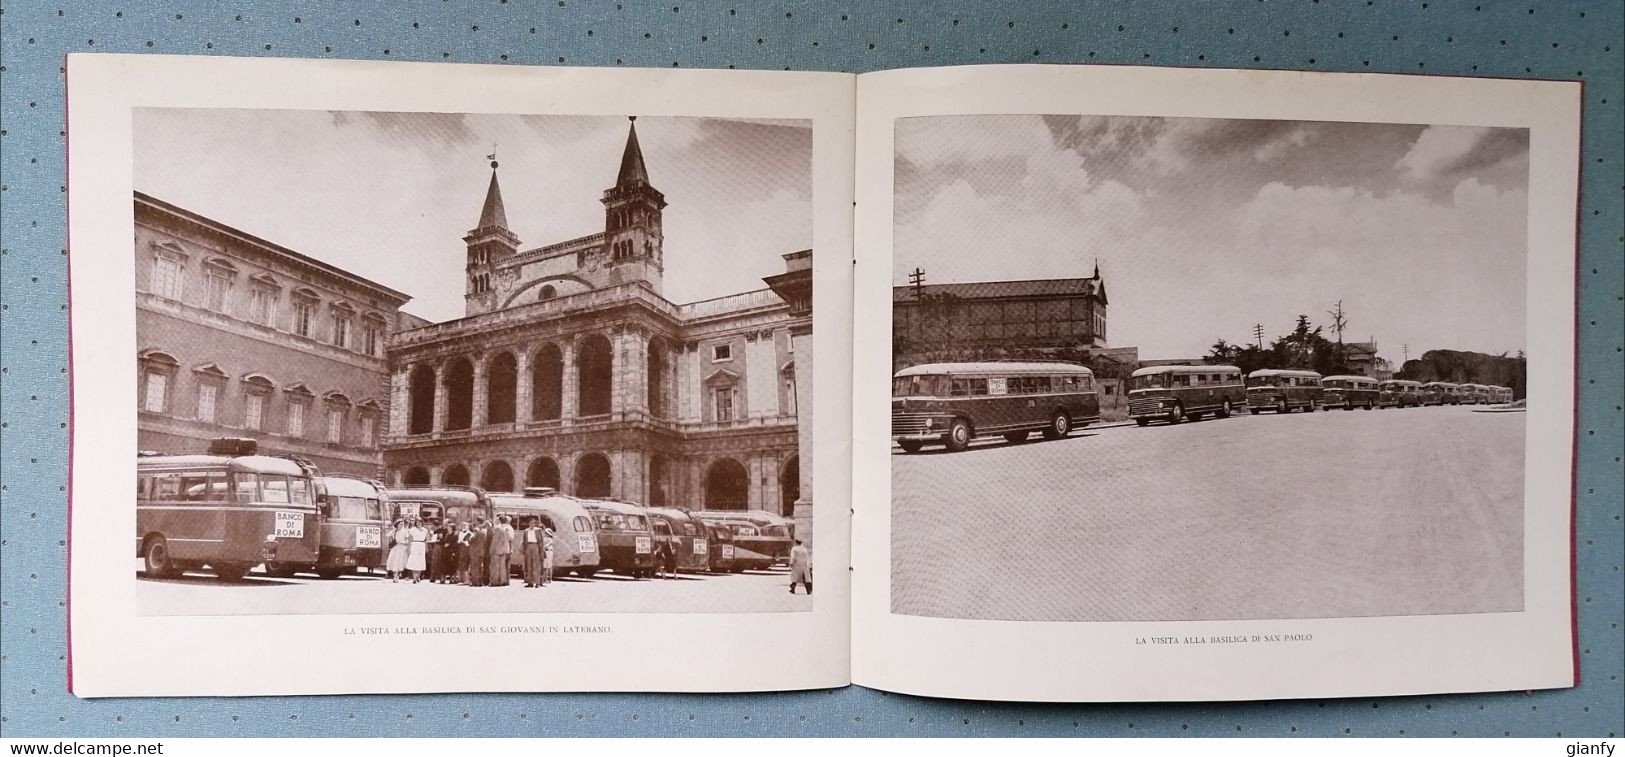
423,361
1207,384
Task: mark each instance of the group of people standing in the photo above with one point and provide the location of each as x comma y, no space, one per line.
472,554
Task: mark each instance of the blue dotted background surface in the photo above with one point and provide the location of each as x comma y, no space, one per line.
1560,40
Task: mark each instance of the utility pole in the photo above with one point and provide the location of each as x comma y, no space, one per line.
1406,349
917,278
1258,335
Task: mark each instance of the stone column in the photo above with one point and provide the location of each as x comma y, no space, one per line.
761,375
440,397
481,400
804,430
399,401
629,396
631,483
568,383
688,387
567,471
522,385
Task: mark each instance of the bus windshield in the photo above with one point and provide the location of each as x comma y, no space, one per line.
356,508
1261,380
1149,381
919,386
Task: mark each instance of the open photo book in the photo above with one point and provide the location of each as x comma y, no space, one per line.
1131,384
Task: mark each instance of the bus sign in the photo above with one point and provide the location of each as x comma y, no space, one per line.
289,525
369,537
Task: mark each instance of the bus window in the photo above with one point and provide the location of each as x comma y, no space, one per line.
300,489
273,488
167,487
978,387
636,523
205,487
582,525
960,388
248,487
918,386
141,483
375,510
354,508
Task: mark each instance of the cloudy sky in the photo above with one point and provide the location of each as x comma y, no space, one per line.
389,196
1204,227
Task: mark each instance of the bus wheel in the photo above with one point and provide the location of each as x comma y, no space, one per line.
159,564
586,572
958,436
1015,437
1143,421
1177,414
1224,409
329,573
280,570
910,446
231,571
1059,425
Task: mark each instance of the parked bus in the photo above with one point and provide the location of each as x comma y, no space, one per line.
1173,393
1500,395
1444,393
687,536
230,509
1401,393
761,539
575,533
953,403
1282,390
720,541
435,505
1349,392
625,539
353,514
1480,394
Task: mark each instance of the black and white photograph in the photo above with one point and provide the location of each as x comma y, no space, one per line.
1197,369
415,362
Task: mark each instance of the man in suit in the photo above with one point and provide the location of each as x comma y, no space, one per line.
501,551
530,540
478,554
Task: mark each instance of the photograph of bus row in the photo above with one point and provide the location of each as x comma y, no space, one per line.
1085,382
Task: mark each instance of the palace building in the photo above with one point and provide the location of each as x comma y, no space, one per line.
237,336
571,370
978,320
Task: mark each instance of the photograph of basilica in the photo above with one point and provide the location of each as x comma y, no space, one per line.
570,370
414,324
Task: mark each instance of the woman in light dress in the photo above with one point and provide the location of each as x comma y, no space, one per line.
417,549
398,541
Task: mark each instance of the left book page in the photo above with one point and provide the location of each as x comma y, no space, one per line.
408,359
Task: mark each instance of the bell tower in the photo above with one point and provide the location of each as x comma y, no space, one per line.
490,244
633,234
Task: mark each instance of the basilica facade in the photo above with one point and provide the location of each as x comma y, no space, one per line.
570,370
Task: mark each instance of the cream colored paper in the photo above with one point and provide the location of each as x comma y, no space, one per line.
117,651
1100,661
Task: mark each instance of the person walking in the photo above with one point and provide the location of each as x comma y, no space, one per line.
531,541
417,550
547,556
396,561
800,567
479,554
501,551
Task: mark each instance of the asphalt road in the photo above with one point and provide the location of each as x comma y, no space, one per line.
1335,514
200,593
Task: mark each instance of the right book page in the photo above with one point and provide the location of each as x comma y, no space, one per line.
1213,384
